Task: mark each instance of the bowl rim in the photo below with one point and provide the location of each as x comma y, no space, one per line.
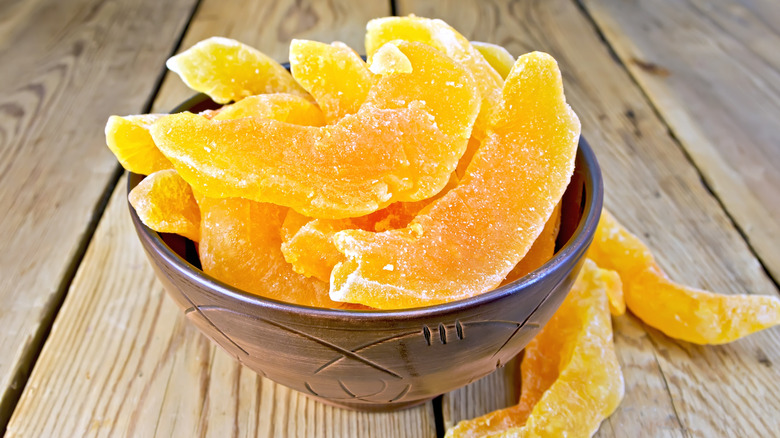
581,238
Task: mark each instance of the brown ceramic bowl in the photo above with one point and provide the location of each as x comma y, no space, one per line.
379,360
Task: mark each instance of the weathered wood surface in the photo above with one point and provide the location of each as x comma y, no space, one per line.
672,388
121,358
712,70
65,67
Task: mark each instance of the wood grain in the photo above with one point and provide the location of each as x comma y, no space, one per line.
122,360
64,71
674,389
712,69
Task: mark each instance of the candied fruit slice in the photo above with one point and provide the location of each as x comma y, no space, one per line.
278,106
498,57
682,312
466,242
227,70
389,60
397,147
333,74
308,243
129,139
541,251
165,203
570,376
240,241
440,35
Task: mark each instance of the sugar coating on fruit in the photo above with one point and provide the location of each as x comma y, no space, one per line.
389,60
165,203
227,70
466,242
283,107
129,139
402,145
336,76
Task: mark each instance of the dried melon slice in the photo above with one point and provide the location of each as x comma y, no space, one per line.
333,74
165,203
389,60
402,145
498,57
466,242
129,139
283,107
227,70
541,251
440,35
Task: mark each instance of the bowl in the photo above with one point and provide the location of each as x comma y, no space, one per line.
379,360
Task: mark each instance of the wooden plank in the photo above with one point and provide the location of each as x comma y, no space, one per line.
673,388
712,69
121,358
66,67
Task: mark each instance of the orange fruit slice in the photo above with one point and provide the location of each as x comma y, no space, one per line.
333,74
129,139
466,242
240,244
541,251
165,203
440,35
682,312
498,57
228,70
570,376
347,169
283,107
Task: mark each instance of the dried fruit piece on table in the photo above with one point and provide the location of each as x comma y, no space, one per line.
570,376
497,56
283,107
466,242
440,35
129,139
240,245
614,288
541,251
347,169
165,203
308,243
336,76
682,312
389,60
228,70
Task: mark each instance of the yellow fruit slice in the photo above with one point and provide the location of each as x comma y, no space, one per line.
682,312
278,106
165,203
227,70
438,34
333,74
541,251
129,139
466,242
389,60
347,169
498,57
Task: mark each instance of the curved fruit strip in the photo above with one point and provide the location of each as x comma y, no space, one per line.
227,70
165,203
541,251
283,107
440,35
498,57
682,312
308,243
129,139
240,245
466,242
614,288
389,60
333,74
402,145
570,377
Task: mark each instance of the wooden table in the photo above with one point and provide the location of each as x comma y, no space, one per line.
680,99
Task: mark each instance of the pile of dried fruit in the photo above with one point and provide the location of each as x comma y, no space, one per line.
343,183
